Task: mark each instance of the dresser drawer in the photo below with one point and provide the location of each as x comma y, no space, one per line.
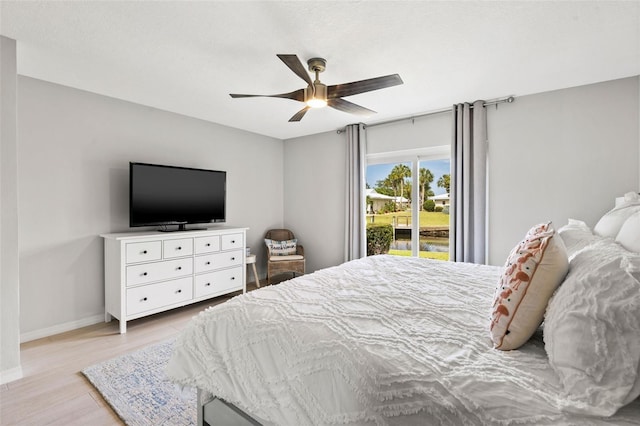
143,252
154,296
207,244
214,261
218,282
157,271
177,248
231,241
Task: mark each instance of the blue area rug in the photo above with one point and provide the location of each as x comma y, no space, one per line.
136,386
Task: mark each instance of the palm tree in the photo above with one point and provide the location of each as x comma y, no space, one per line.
398,174
445,182
426,177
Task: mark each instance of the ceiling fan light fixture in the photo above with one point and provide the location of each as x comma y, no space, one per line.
316,103
316,95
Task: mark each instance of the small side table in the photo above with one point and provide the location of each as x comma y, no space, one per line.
251,259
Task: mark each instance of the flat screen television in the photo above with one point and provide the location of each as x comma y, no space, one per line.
170,195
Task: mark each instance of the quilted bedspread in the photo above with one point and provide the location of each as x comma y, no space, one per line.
382,340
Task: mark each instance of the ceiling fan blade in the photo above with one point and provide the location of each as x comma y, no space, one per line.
296,66
350,107
356,87
297,95
298,115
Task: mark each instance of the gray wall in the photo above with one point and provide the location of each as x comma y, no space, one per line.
9,263
73,153
558,155
552,156
314,188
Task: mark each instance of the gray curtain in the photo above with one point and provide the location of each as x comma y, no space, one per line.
467,242
355,234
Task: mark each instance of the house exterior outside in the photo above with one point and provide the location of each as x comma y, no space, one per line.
441,200
377,201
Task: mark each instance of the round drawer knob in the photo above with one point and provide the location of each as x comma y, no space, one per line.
144,252
208,245
233,278
179,268
179,248
179,291
233,258
144,274
208,263
207,284
144,299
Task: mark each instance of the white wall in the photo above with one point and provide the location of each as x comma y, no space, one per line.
73,153
558,155
553,156
9,263
314,188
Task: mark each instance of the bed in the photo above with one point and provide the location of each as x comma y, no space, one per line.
386,340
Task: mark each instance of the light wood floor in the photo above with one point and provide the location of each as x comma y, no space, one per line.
53,391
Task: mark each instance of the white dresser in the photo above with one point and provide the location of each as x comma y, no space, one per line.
150,272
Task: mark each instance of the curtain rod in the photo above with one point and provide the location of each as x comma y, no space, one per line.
508,99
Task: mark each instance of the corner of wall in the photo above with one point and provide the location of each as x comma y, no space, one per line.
10,368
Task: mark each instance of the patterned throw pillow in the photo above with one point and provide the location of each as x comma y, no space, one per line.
281,248
534,269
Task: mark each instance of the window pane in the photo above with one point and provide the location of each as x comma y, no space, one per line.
389,202
434,208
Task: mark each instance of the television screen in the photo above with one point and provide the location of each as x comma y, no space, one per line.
166,195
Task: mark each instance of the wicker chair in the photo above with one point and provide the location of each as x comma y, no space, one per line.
277,265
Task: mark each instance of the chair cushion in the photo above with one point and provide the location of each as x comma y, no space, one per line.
286,258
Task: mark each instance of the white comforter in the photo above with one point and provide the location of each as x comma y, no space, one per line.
379,341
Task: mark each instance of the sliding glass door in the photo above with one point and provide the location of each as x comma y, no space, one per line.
410,194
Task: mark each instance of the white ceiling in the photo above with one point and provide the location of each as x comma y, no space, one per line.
186,57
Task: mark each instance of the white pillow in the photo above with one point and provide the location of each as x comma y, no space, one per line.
629,235
592,325
576,235
609,225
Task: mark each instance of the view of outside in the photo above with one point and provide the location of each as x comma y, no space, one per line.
389,201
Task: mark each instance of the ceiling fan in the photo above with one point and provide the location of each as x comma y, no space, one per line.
318,95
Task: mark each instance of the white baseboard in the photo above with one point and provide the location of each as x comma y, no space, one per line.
60,328
10,375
